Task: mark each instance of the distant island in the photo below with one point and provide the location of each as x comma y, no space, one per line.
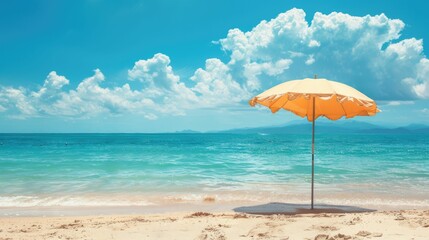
187,131
325,127
334,127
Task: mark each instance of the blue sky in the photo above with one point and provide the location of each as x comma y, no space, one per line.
156,66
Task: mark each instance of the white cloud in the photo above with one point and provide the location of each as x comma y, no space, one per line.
310,60
398,103
158,77
420,84
365,52
253,71
88,99
215,85
162,85
313,43
55,81
150,116
17,99
155,72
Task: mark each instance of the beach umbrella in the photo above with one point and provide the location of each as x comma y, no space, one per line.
313,98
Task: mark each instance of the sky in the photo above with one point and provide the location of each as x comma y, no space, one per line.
165,66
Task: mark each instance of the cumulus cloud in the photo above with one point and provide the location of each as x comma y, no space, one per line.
215,85
17,100
420,84
365,52
162,85
88,99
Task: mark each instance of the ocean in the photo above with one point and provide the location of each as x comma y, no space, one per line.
69,170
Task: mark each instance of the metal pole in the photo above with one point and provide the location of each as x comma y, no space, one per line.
312,156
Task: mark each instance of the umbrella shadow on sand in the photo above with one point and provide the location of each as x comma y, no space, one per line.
291,209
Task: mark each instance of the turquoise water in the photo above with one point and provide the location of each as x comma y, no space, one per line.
150,169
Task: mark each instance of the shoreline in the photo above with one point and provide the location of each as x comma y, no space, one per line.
400,224
206,205
90,204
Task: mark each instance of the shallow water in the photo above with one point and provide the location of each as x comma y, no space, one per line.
155,169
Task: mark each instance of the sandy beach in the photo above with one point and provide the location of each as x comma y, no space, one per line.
214,120
403,224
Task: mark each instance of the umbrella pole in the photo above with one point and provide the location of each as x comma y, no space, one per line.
312,156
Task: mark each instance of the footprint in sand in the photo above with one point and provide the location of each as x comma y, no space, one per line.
325,228
267,230
363,233
321,237
339,236
368,234
70,225
211,233
354,221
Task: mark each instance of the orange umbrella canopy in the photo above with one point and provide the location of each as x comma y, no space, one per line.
331,99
